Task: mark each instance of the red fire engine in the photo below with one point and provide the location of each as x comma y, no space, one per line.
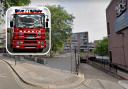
29,30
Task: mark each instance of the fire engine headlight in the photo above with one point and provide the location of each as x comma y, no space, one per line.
17,42
21,42
39,33
38,42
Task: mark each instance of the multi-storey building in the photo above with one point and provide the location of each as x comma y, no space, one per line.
80,41
2,42
67,45
91,46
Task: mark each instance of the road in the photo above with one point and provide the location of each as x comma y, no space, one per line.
93,73
94,78
7,80
62,62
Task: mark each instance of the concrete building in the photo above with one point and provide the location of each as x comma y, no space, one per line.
117,28
67,45
80,41
2,42
91,46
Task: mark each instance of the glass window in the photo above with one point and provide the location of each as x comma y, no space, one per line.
29,21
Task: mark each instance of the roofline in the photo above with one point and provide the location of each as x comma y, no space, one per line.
80,32
109,4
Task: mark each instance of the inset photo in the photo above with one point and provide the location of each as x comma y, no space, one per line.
28,30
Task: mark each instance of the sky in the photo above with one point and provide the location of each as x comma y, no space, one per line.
89,15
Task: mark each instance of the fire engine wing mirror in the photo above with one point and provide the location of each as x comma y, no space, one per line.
11,23
46,23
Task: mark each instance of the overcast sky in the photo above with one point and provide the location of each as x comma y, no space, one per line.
89,15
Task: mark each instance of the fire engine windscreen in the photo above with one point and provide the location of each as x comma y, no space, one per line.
29,21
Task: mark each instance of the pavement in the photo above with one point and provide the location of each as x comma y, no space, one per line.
92,73
124,83
122,74
43,76
7,80
53,77
95,77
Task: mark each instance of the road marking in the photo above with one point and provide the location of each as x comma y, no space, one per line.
87,82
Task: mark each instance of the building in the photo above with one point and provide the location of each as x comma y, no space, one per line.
67,45
96,43
117,28
2,42
80,41
91,46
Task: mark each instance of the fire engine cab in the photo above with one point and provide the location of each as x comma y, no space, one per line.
29,30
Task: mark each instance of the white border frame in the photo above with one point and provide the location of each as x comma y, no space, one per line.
43,7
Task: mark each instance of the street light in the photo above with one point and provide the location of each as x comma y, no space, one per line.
75,60
78,63
103,63
15,59
71,49
1,1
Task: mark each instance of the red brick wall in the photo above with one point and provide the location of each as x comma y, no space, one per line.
118,43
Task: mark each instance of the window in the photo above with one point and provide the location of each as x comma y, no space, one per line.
108,28
110,55
29,21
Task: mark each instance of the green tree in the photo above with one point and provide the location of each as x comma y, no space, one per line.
102,47
61,27
9,3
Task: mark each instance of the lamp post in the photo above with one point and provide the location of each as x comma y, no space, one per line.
77,64
75,60
15,60
71,49
1,1
103,63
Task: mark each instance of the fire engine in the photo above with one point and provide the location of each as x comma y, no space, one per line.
29,30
